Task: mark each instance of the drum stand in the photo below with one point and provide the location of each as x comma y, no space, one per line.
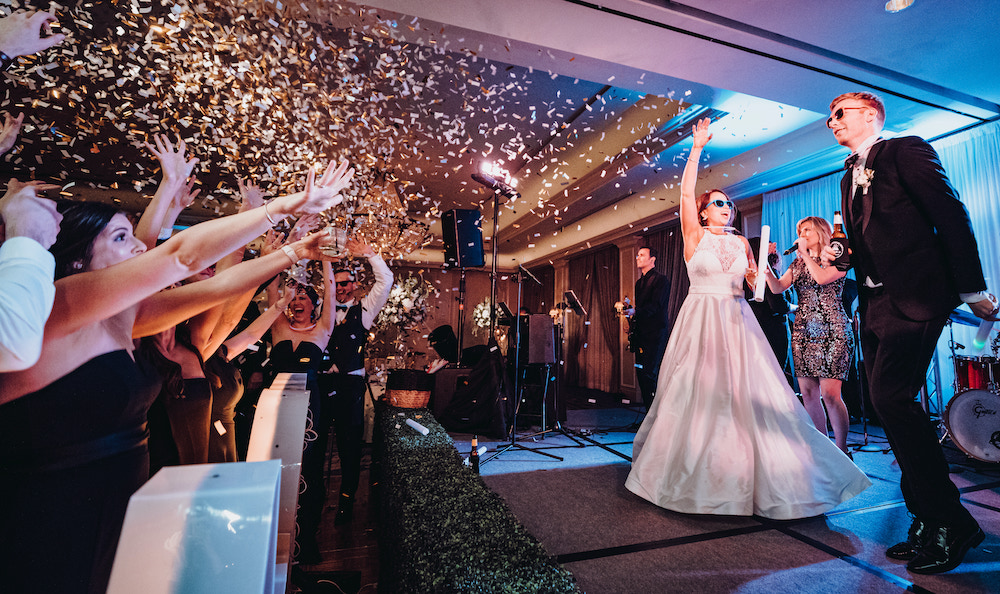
954,364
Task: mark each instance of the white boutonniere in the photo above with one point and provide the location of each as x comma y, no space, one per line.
863,178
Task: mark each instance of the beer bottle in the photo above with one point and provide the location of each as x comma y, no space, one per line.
838,241
474,455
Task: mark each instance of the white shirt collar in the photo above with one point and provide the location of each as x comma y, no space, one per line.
865,146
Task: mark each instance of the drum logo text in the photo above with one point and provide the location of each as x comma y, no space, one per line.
980,410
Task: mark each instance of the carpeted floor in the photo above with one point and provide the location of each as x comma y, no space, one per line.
613,541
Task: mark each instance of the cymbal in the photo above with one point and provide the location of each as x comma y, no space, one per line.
966,318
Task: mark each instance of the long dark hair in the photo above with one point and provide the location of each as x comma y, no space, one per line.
82,222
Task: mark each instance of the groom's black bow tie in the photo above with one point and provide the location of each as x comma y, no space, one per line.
341,308
851,161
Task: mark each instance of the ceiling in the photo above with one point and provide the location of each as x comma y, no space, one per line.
586,105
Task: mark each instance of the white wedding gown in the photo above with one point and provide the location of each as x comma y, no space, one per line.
726,435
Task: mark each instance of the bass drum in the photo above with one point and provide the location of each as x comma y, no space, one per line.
973,422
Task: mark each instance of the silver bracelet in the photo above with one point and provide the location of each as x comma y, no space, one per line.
268,215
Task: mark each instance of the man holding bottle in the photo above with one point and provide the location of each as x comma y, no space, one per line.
916,259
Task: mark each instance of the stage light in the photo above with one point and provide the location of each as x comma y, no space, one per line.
497,179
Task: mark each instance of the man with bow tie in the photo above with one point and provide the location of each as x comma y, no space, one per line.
916,259
345,382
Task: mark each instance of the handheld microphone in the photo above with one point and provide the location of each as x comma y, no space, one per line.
794,247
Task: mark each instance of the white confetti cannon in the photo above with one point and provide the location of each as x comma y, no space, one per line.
765,242
418,427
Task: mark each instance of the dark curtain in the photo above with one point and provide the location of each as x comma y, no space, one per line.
670,245
539,298
592,359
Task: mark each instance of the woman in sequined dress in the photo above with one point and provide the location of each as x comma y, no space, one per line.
822,337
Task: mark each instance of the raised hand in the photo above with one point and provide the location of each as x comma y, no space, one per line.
700,134
318,197
21,33
251,195
185,196
359,248
286,296
176,168
11,128
273,241
303,226
309,247
25,214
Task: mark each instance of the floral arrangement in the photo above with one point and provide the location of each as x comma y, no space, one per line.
863,178
481,316
407,305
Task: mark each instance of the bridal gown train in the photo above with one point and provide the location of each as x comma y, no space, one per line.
726,435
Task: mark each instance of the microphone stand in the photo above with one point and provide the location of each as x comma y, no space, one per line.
862,390
499,188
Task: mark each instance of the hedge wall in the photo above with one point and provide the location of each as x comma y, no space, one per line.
441,528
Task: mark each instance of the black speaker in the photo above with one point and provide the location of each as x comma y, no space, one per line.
446,382
541,340
463,238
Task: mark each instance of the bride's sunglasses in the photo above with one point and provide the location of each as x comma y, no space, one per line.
721,203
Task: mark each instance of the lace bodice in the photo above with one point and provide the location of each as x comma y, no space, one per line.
718,265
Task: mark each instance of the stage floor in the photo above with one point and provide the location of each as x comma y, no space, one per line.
613,541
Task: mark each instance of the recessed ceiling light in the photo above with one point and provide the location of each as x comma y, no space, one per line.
897,5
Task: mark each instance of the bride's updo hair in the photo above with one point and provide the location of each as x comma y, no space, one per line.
82,222
705,198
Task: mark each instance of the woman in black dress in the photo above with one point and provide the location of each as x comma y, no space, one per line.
72,428
299,341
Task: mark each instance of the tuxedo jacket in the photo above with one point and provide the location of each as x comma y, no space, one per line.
648,327
911,231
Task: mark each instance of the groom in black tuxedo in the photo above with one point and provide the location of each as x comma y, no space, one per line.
916,259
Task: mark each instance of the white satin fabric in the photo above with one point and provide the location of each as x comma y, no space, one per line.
726,435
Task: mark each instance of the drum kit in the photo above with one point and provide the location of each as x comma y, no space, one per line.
972,417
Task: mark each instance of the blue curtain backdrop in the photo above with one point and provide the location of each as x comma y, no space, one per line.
972,161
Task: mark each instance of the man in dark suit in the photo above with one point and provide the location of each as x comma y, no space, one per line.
648,329
916,259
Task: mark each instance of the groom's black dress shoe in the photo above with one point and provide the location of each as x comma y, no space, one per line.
944,549
915,537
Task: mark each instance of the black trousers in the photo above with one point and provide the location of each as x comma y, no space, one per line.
897,352
340,405
648,357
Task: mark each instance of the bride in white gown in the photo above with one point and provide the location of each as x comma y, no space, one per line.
726,435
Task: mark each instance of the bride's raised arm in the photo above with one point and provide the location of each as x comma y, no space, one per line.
691,229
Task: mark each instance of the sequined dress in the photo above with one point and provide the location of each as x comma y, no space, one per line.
822,338
726,435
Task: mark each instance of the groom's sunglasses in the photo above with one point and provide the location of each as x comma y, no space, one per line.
839,114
